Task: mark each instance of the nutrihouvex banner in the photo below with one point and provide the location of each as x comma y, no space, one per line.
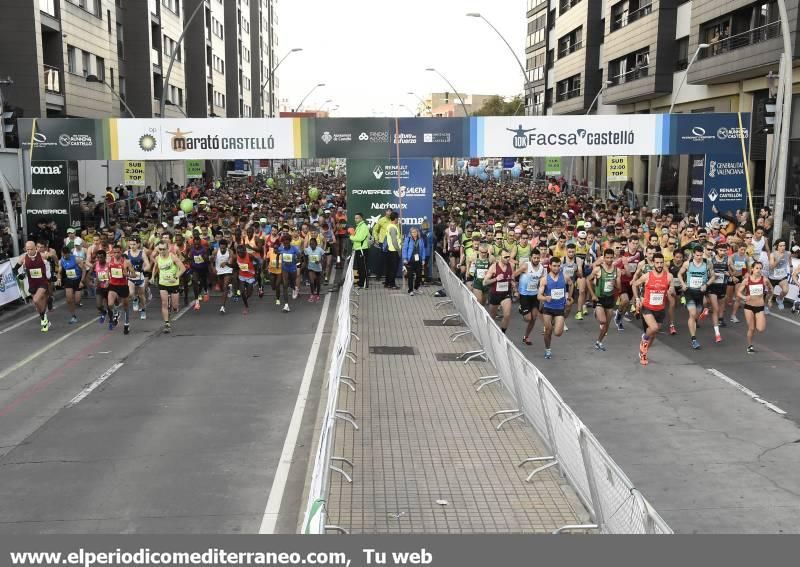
384,138
49,196
405,185
725,187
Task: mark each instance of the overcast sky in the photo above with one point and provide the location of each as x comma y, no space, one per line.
370,53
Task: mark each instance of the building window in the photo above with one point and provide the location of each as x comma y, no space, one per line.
537,30
630,67
100,68
538,103
628,11
91,6
536,65
218,64
570,43
72,61
568,88
86,60
746,26
566,5
172,5
533,4
120,42
682,53
218,29
171,46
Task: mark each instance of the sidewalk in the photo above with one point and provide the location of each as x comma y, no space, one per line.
425,436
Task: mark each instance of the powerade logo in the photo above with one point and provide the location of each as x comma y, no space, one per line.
48,212
46,169
698,134
371,191
524,138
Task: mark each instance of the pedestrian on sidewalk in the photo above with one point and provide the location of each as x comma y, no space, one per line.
360,240
414,254
391,251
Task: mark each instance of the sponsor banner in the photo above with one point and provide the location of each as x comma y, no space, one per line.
194,168
134,173
617,168
552,166
725,187
204,138
66,138
9,290
509,162
630,134
49,196
405,185
357,138
707,133
431,137
696,191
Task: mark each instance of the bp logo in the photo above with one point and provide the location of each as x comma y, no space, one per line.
520,139
147,143
326,137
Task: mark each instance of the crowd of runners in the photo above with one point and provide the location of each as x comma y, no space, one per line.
556,253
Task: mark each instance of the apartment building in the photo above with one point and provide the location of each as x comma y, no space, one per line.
71,58
638,51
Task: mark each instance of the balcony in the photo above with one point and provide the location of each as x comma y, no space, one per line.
567,95
568,49
627,18
633,75
740,40
52,80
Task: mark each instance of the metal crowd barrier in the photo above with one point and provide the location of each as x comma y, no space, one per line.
613,502
315,518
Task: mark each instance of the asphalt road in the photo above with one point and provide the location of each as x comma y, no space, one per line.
184,434
707,456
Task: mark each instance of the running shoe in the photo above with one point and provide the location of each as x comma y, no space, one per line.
167,327
695,344
294,293
566,328
548,354
722,322
45,324
599,346
136,304
703,314
734,319
286,308
230,290
148,294
205,296
618,323
114,319
718,339
751,350
411,293
126,330
73,320
261,292
245,311
111,324
102,318
197,305
628,317
579,315
672,329
766,310
683,300
277,302
794,308
222,309
142,315
781,306
643,358
526,340
311,299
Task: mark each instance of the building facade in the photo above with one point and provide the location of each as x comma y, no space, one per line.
638,52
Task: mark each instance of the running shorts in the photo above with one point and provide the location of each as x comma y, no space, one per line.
498,298
552,312
606,302
754,308
694,298
657,314
528,303
717,289
123,291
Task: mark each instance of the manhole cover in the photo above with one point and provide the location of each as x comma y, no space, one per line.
406,350
449,357
438,323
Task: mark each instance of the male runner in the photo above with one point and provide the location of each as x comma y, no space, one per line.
38,272
555,294
604,284
657,284
694,276
529,272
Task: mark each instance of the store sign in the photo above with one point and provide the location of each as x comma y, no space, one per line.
134,173
725,187
552,166
617,168
405,185
194,168
49,197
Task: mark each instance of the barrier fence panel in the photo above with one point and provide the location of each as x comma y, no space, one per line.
615,504
314,521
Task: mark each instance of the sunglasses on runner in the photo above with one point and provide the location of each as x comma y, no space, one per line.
506,257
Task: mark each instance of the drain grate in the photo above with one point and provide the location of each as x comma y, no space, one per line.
401,350
449,357
438,323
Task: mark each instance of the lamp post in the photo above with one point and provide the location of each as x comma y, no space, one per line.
783,123
324,104
525,82
421,100
657,191
95,79
464,106
272,74
173,105
315,87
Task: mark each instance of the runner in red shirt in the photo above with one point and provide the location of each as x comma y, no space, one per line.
657,285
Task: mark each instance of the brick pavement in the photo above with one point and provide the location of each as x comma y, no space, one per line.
425,436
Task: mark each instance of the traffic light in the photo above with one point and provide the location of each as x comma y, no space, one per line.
769,115
10,129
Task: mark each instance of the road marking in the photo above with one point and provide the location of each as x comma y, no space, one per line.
31,318
5,373
746,391
782,318
94,385
270,518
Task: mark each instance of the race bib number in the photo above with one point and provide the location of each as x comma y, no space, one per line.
137,276
533,285
72,274
36,273
244,267
557,294
696,282
116,273
738,266
416,257
632,268
502,287
480,273
314,258
288,258
779,273
569,271
656,298
608,286
676,282
199,260
757,290
275,262
102,276
719,278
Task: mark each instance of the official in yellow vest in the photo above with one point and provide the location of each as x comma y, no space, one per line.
391,251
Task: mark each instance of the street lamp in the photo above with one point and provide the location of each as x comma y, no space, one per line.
173,105
272,74
511,49
464,106
315,87
175,50
324,104
657,191
424,104
96,79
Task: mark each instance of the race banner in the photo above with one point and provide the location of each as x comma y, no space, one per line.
194,169
552,166
9,290
49,196
405,186
66,138
725,187
133,173
617,168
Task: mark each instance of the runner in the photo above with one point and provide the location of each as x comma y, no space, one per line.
604,285
780,264
70,278
530,273
120,271
313,258
555,294
223,270
657,285
718,288
738,265
167,271
290,257
101,274
500,276
477,271
198,257
677,291
38,273
247,275
137,283
572,268
696,272
751,293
